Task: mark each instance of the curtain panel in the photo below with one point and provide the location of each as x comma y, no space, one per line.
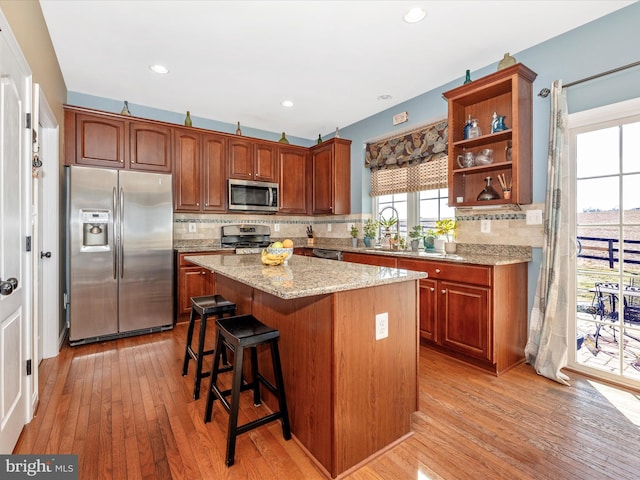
425,144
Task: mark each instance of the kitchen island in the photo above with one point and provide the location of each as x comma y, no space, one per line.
350,395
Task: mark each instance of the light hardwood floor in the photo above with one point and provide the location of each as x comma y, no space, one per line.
125,409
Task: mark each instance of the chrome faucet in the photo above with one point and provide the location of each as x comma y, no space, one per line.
395,215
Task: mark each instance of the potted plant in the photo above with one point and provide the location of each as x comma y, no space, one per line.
415,234
446,228
370,230
388,223
429,238
354,235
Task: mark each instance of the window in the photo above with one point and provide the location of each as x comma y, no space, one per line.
416,208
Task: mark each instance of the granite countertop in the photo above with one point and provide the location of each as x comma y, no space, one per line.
303,276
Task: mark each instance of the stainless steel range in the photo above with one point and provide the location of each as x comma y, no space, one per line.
246,238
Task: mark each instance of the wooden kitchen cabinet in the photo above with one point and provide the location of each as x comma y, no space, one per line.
108,140
94,139
477,313
506,92
192,281
331,177
252,160
294,180
369,259
199,171
149,147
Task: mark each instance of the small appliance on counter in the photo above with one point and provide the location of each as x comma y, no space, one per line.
246,238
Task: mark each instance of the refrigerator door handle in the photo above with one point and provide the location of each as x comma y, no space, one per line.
121,252
115,238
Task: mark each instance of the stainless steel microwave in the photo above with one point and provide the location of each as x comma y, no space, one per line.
250,196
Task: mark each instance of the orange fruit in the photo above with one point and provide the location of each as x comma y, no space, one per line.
287,243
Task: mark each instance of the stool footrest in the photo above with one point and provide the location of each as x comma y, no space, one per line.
258,423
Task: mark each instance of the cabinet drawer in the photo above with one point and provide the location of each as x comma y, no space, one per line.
464,273
377,260
184,263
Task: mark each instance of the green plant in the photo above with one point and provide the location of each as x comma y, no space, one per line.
388,222
431,233
445,227
354,231
416,232
370,228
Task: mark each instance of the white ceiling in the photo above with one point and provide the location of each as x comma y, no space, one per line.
237,60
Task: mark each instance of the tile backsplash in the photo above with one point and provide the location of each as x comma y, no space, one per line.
507,226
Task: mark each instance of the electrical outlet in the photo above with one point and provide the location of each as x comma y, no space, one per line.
382,325
192,227
485,226
276,227
328,227
534,217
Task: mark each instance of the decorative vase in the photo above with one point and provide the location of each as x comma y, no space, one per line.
125,109
319,139
449,247
354,242
488,192
238,131
283,139
467,77
438,244
414,244
337,135
506,61
187,120
367,241
428,242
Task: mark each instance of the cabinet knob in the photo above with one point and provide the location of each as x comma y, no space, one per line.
197,204
203,272
443,291
437,270
432,289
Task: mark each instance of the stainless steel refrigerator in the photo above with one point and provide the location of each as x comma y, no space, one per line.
119,253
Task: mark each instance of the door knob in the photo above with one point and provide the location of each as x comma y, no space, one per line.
45,254
7,287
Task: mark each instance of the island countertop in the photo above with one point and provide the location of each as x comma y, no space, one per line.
303,276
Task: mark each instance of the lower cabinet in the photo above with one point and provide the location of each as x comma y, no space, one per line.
192,281
368,259
476,313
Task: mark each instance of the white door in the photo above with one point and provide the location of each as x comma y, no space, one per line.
15,87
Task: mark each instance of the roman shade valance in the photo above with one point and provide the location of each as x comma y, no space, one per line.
424,144
413,161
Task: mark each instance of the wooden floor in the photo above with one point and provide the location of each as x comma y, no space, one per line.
125,409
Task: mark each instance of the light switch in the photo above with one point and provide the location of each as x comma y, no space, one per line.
485,226
276,227
192,227
328,227
534,217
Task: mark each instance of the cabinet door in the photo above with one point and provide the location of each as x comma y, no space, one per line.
187,174
100,141
149,147
322,175
428,310
294,181
265,167
214,180
240,159
193,282
464,318
367,259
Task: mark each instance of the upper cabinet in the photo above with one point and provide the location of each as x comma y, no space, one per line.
331,177
295,181
507,93
250,160
113,141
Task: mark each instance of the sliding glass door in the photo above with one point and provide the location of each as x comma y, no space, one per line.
605,146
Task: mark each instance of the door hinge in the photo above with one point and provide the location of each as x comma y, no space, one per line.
28,121
29,367
28,243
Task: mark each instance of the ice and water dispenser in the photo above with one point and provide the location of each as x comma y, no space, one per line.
95,230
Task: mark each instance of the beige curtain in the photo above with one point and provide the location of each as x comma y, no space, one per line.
424,176
547,344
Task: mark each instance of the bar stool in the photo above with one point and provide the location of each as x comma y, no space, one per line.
204,306
237,334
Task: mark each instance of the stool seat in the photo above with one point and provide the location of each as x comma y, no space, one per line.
238,333
204,306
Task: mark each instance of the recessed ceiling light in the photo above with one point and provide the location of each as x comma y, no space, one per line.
384,97
415,15
286,103
159,69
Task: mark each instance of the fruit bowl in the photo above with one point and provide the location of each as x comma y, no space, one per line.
280,251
